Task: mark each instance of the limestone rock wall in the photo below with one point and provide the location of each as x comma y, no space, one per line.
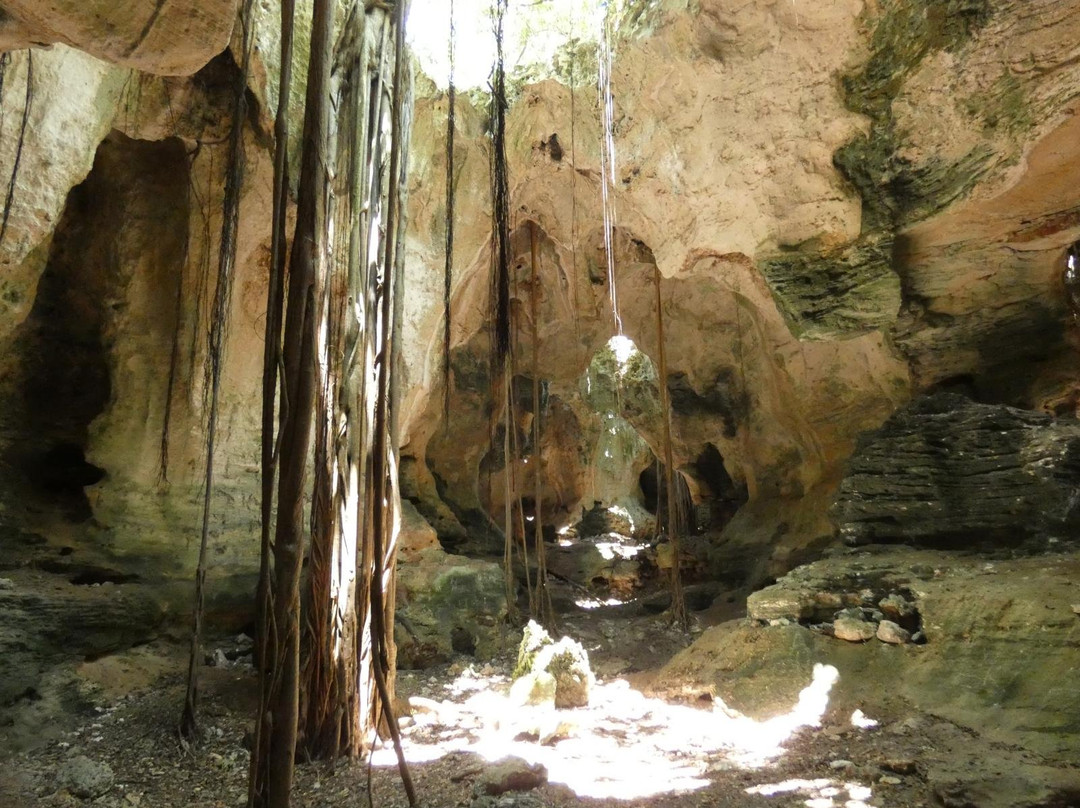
847,203
110,262
947,472
156,36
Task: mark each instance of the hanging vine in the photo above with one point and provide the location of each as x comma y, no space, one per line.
675,513
234,177
451,101
501,336
543,610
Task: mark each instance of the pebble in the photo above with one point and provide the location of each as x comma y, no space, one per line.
7,583
841,764
889,780
890,632
899,765
897,606
852,630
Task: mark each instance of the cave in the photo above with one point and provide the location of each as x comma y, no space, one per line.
562,403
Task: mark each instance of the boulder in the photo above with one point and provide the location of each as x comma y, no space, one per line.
890,632
447,605
999,654
949,473
534,689
566,661
533,638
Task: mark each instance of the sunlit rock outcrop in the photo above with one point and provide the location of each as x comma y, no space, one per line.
155,36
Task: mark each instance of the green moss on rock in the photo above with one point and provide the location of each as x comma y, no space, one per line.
842,293
1004,106
893,189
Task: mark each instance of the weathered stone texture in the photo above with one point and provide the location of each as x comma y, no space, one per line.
156,36
949,472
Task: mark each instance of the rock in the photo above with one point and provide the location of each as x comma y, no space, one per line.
447,605
7,583
85,778
508,801
890,632
45,620
533,639
889,780
835,293
841,764
556,730
534,689
510,774
947,472
175,38
568,662
899,765
605,569
852,629
58,153
773,603
1076,609
1013,629
897,607
416,535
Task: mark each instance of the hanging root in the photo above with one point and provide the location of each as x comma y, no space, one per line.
174,362
215,355
543,610
500,325
500,194
448,276
676,516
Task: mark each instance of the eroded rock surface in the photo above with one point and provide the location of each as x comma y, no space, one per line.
170,38
948,472
999,655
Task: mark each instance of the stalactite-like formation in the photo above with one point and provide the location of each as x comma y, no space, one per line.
234,178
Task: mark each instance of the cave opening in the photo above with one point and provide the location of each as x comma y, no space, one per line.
64,349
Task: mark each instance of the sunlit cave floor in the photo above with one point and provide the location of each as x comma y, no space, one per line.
625,749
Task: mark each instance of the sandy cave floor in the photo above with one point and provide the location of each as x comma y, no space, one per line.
643,745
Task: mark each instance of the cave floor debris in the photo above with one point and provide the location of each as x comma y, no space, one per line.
908,760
